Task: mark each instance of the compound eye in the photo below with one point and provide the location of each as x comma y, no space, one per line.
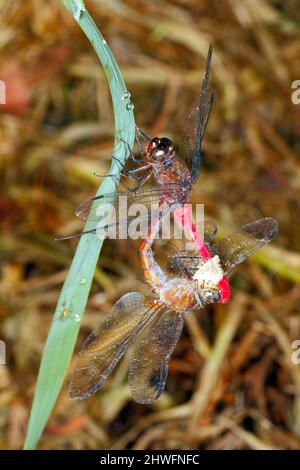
153,145
165,144
210,297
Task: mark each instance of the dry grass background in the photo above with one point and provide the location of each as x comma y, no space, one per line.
232,384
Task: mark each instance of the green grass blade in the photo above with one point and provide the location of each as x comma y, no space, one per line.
73,298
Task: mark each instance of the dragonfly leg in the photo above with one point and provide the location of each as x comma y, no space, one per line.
118,160
118,181
147,176
131,154
137,170
125,174
141,182
142,134
131,172
137,179
138,135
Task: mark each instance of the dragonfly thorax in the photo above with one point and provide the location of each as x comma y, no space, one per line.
178,294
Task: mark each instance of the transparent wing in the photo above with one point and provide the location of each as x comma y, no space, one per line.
188,261
236,247
148,367
196,125
114,210
232,249
93,208
104,347
210,231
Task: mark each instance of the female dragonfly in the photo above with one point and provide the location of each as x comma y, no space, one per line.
154,324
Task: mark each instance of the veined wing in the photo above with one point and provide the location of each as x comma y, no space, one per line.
93,208
210,231
189,261
232,249
120,209
186,261
236,247
148,367
196,124
104,347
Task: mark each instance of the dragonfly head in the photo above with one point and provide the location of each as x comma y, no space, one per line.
207,278
160,148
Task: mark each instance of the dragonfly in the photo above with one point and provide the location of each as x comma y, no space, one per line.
152,325
174,179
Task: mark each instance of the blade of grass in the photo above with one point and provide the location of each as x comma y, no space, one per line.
73,298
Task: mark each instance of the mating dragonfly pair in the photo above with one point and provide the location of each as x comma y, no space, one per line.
199,276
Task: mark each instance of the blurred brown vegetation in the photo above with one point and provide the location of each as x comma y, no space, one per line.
232,384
